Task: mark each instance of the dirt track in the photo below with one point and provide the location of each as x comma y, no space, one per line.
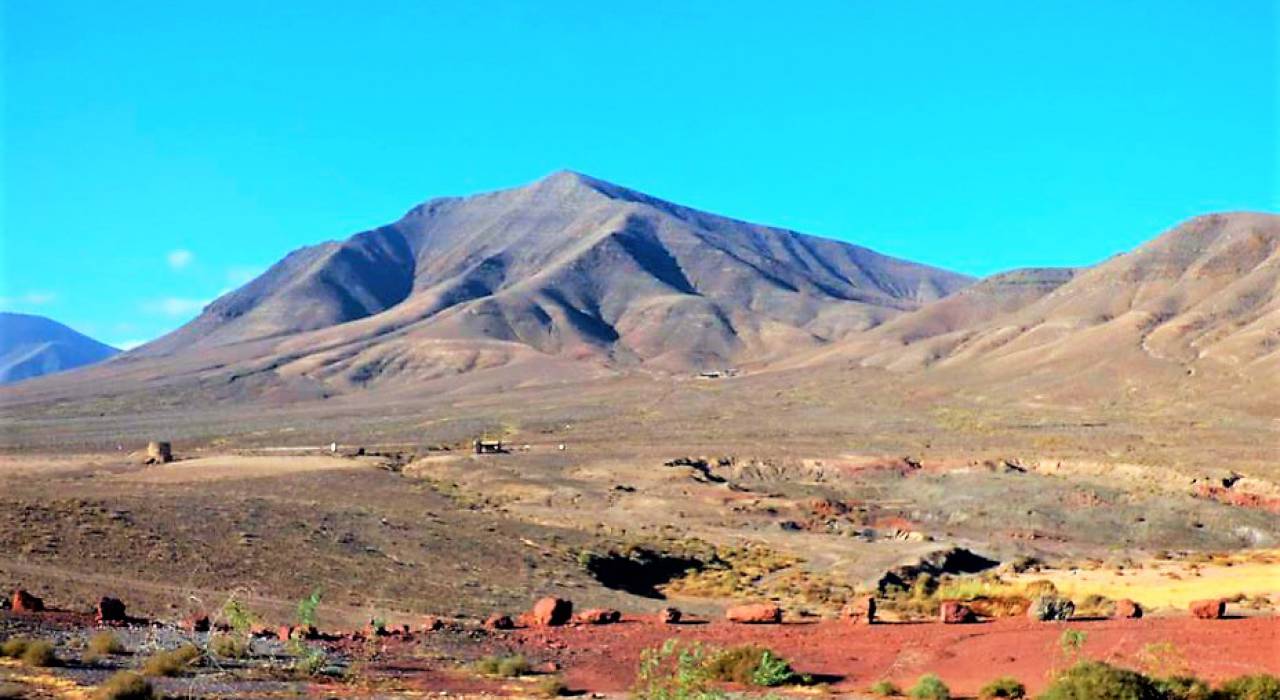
850,658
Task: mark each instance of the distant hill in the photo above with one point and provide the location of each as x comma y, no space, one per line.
33,346
571,267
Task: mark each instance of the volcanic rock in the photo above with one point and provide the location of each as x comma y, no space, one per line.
1049,608
1213,609
110,611
1127,610
956,613
552,612
669,616
23,601
598,616
755,614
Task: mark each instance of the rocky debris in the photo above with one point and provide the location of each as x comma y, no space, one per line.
498,621
1049,608
110,611
860,611
669,616
195,622
159,452
598,616
431,623
552,612
755,614
1212,609
24,602
1127,610
953,612
287,633
701,467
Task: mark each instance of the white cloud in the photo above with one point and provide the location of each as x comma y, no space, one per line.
174,306
29,299
180,259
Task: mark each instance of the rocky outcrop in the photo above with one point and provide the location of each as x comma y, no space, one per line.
755,614
551,612
110,611
24,602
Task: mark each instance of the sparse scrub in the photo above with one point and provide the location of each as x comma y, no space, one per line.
1256,687
105,644
1183,688
308,660
126,685
502,666
1005,687
14,648
170,663
551,687
930,687
39,654
749,664
675,672
1094,680
885,689
227,646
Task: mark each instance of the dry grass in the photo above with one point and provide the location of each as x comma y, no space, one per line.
170,663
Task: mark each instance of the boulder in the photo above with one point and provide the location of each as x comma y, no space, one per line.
860,611
498,621
285,633
755,614
669,616
110,611
195,622
598,616
552,612
159,452
953,612
431,623
24,602
1127,610
1049,608
1212,609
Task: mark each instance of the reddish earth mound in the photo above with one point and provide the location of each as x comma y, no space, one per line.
851,657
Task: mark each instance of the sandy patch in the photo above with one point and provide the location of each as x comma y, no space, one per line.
243,467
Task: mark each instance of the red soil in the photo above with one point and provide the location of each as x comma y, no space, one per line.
851,657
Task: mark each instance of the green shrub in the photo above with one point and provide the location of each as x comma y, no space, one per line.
1094,680
503,666
675,672
1256,687
885,689
1183,688
930,687
101,645
308,660
1005,687
307,609
126,685
39,654
170,663
749,664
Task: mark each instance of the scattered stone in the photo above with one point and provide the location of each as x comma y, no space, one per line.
552,612
598,616
431,623
954,612
860,611
24,602
110,611
195,622
1127,610
1049,608
755,614
498,621
1213,609
669,616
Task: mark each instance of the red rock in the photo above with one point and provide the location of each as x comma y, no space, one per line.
956,613
25,602
432,623
498,621
598,616
1213,609
284,633
860,611
1127,610
196,622
755,614
546,668
552,612
110,611
669,616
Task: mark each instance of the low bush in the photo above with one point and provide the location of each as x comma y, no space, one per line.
503,666
675,672
228,646
930,687
885,689
1094,680
551,687
126,685
1005,687
1256,687
39,654
753,665
1183,688
170,663
101,645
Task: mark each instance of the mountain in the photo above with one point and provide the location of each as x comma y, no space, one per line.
33,346
1202,297
569,267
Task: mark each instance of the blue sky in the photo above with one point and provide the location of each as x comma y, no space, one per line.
156,154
